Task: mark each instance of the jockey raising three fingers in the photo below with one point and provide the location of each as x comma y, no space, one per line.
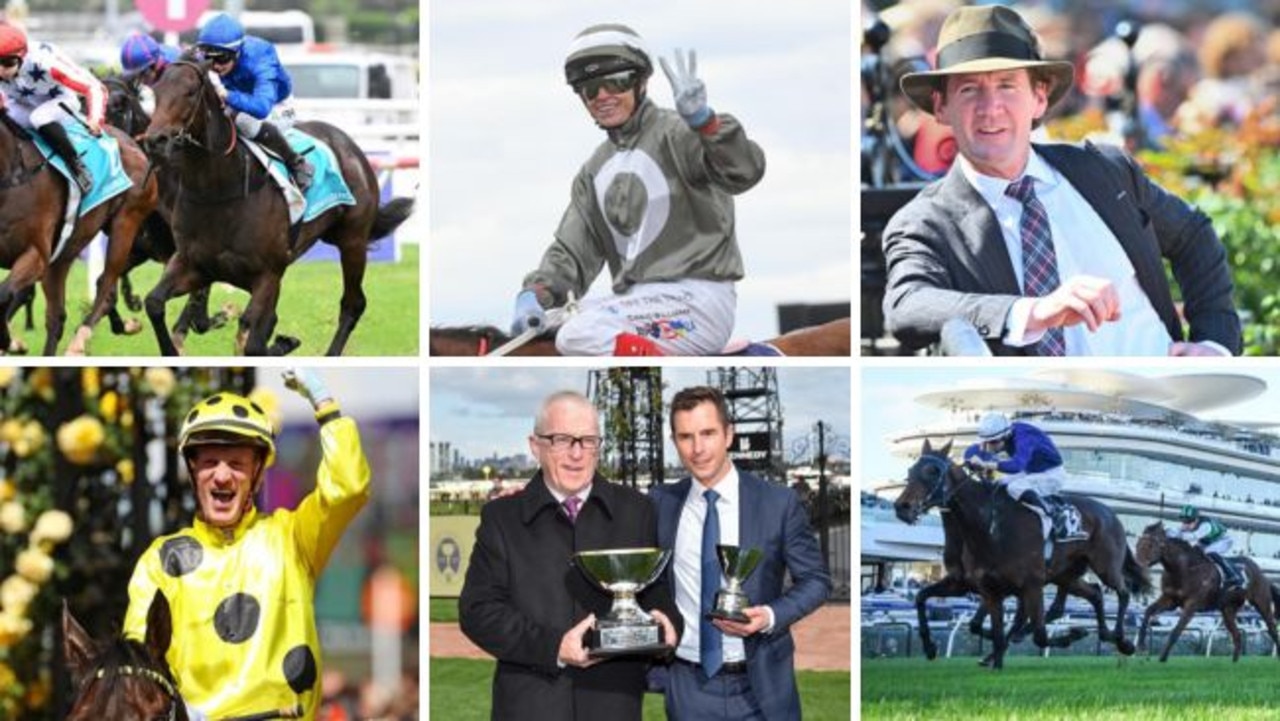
255,83
654,202
241,584
42,88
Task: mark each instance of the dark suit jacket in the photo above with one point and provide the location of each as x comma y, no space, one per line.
774,521
947,258
522,593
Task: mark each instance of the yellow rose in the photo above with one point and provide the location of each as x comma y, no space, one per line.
11,430
125,469
126,419
270,404
40,380
8,491
109,406
7,374
7,677
33,433
16,593
91,380
13,628
34,565
80,439
161,381
13,517
53,526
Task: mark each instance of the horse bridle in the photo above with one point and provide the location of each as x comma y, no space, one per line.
150,674
938,495
184,134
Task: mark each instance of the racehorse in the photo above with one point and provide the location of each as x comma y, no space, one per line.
1002,550
123,679
155,239
1193,582
828,339
231,223
33,199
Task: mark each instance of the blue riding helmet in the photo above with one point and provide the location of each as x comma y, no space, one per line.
138,53
222,32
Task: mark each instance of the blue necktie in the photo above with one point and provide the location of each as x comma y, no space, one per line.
710,641
1039,262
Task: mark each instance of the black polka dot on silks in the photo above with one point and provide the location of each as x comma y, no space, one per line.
195,413
240,411
300,668
181,555
236,618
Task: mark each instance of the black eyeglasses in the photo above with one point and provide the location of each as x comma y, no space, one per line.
11,61
564,441
614,84
219,58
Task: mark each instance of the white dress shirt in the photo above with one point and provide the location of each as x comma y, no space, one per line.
1084,245
688,561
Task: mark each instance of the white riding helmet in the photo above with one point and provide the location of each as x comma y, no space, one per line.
994,427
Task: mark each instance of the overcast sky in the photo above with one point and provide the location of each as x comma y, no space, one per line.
888,406
363,393
507,138
483,411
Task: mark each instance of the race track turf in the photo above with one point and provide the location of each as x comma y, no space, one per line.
1101,689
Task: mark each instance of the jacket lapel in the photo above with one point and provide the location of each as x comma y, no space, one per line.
982,251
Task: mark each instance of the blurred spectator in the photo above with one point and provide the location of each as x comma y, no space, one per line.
340,697
1231,52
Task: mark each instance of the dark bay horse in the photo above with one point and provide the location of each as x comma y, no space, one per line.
33,199
122,679
1001,552
828,339
231,223
155,240
1192,582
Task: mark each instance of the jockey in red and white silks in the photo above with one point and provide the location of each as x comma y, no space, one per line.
654,203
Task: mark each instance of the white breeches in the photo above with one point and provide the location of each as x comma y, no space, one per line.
686,317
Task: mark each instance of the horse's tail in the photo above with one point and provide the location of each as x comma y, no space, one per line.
390,216
1135,576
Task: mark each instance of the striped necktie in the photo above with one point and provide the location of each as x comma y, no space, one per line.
571,505
1039,263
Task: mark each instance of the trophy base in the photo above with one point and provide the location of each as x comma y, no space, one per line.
653,649
735,616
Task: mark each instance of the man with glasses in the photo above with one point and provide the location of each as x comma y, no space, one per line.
41,89
729,669
654,202
254,84
526,604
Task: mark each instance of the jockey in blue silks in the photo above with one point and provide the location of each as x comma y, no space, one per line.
143,59
254,83
1032,466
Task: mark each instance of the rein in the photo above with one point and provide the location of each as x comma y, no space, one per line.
175,699
184,134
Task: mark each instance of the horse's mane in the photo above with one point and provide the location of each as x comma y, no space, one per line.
114,654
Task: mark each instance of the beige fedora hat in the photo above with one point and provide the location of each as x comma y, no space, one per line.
985,39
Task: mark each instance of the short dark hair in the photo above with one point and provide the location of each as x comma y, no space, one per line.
694,396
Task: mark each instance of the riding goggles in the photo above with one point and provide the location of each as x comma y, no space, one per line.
614,84
218,56
10,61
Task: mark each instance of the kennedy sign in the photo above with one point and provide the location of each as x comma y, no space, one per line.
751,451
172,15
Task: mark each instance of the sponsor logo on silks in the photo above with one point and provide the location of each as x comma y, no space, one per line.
666,328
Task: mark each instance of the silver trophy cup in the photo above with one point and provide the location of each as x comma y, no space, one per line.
624,572
737,564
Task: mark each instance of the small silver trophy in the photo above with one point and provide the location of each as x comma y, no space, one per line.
737,564
626,630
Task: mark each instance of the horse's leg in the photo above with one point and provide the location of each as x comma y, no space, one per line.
1090,592
1188,610
353,257
995,608
26,271
1229,611
258,318
1267,610
54,284
1059,606
177,280
1160,605
947,587
120,235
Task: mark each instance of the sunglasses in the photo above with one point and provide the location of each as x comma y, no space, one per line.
613,84
11,61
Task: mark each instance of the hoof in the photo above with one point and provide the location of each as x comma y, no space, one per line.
132,326
1126,648
284,345
133,303
230,311
17,347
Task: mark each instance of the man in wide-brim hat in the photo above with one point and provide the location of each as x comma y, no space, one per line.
1044,249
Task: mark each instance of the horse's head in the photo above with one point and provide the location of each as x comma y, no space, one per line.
1151,544
123,679
124,106
188,110
927,483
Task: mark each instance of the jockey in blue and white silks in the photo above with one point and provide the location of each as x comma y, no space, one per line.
1032,465
255,86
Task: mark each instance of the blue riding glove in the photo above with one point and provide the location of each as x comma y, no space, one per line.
308,385
529,312
689,91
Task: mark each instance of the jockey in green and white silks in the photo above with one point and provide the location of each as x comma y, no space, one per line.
1210,536
654,203
241,584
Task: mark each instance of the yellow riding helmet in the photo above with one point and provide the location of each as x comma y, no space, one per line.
228,419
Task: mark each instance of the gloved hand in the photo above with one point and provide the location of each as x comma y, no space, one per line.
982,464
308,385
689,91
529,312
